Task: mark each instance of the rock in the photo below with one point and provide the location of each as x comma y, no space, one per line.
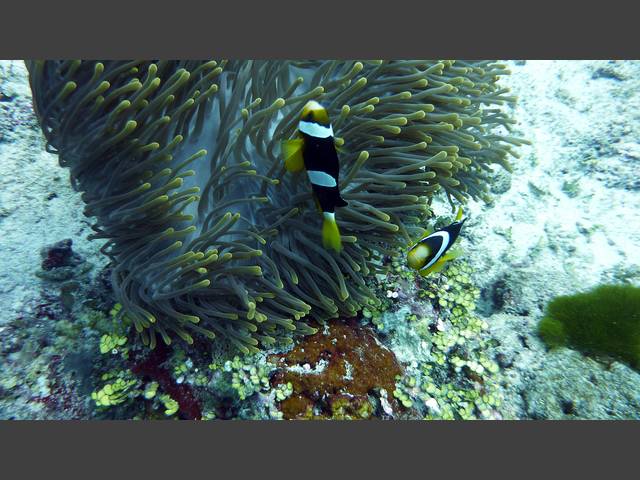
501,182
59,255
570,385
60,263
504,361
609,72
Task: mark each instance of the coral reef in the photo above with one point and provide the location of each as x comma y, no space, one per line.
239,387
604,321
450,375
178,397
207,235
49,350
48,355
561,220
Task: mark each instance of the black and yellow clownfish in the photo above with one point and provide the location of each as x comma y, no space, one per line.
431,253
315,150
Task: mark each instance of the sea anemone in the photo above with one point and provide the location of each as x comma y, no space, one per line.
207,233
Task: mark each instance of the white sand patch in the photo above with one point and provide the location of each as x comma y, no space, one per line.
38,207
573,121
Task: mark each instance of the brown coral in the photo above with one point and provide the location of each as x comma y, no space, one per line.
334,372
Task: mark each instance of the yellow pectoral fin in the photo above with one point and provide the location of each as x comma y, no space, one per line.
459,215
330,233
453,253
292,153
436,267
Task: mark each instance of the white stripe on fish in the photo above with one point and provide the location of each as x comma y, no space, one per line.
321,179
315,130
445,242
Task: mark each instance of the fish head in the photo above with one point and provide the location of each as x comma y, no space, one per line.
454,229
314,112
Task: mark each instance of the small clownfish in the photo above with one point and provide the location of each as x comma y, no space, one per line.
431,253
315,150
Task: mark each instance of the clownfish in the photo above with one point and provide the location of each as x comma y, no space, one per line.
431,253
315,150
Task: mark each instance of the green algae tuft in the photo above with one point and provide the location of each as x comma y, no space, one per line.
603,321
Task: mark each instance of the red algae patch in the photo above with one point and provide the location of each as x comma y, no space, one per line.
153,368
335,372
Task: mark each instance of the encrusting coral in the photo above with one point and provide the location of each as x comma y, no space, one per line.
333,373
180,164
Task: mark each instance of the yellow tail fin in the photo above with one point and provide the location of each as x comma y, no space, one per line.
330,233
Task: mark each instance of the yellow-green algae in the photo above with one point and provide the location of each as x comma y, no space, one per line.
455,379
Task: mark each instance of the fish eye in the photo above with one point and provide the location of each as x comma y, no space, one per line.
309,116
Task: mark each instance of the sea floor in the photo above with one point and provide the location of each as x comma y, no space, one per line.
566,223
563,221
